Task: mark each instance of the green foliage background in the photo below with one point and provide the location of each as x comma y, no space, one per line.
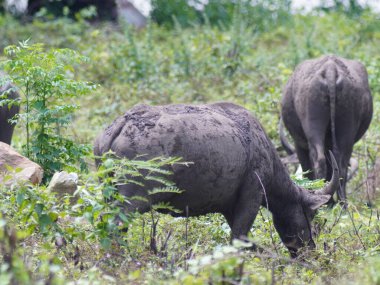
245,58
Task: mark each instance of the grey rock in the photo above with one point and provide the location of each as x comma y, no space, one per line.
64,183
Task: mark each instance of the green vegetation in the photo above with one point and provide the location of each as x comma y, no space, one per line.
49,239
42,78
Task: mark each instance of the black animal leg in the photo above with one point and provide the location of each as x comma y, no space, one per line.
342,189
246,208
303,157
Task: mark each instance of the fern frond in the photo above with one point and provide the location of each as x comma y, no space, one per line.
165,206
171,189
159,179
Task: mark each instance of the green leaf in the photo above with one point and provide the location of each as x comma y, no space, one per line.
53,216
39,208
109,191
123,217
20,197
105,242
44,222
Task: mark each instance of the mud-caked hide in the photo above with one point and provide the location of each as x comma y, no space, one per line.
234,170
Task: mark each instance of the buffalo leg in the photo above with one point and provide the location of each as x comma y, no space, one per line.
318,159
7,127
315,125
343,174
342,189
246,208
303,157
345,141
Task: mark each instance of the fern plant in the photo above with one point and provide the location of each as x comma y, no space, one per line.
101,203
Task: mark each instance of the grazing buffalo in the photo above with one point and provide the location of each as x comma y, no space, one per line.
236,168
7,111
327,104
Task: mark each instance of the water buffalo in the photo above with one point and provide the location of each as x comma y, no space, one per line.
327,104
7,112
236,168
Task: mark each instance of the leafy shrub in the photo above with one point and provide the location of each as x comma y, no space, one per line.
262,15
352,8
43,77
166,12
37,209
103,205
35,213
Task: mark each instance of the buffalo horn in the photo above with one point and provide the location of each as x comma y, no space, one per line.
330,188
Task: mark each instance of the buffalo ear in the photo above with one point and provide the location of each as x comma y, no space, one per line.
316,201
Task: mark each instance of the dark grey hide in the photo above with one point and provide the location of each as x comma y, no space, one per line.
7,112
231,155
327,105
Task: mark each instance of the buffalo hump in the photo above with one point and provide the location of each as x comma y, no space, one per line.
218,141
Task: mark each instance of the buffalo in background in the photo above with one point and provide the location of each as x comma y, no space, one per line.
327,104
236,167
7,111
